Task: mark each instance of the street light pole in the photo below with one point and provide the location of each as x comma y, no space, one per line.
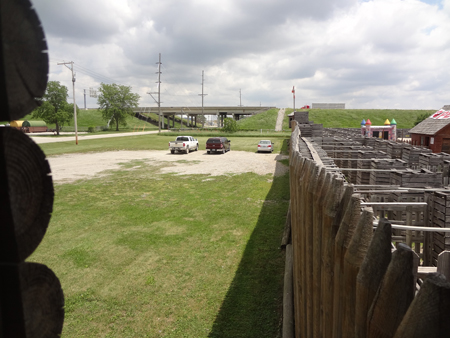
74,104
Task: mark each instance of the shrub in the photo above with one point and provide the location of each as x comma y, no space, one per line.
229,125
420,118
91,129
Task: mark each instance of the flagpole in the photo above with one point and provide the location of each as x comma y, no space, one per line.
293,92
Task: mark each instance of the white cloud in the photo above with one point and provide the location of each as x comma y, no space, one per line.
368,54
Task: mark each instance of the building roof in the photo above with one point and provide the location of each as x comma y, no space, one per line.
432,124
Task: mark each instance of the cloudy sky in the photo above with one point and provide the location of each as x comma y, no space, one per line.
366,54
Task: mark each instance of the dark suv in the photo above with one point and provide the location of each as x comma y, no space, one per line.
218,145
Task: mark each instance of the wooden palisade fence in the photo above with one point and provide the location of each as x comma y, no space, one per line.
348,278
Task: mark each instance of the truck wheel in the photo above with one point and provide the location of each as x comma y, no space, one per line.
223,151
187,150
196,148
208,152
172,151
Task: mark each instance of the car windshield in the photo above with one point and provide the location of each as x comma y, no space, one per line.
213,140
182,138
264,142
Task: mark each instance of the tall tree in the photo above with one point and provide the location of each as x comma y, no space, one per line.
201,119
54,108
116,101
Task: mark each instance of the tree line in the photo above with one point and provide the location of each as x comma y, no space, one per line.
115,103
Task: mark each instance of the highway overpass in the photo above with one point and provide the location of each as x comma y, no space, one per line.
193,112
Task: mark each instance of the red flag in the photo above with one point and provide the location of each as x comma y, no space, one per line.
293,90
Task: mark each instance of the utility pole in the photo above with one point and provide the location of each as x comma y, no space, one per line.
202,95
159,93
85,99
74,104
240,103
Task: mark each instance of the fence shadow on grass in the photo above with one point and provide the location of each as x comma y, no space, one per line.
253,304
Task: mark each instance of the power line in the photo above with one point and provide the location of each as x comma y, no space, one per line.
95,75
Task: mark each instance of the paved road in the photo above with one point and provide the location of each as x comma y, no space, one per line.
279,125
43,139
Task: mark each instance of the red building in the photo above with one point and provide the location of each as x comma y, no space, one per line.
433,132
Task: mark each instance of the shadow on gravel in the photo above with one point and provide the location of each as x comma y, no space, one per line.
253,304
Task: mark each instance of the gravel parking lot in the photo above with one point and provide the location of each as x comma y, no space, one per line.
72,167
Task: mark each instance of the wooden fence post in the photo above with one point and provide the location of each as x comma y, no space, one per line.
298,163
310,185
301,261
343,238
352,262
330,225
443,264
288,296
323,185
395,294
427,315
371,273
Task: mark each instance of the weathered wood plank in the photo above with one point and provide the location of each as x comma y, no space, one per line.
288,295
397,288
371,273
342,241
352,262
322,187
427,315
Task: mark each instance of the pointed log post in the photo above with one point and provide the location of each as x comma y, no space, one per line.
302,243
352,262
330,225
371,274
296,184
342,242
310,179
395,294
295,171
443,264
288,296
427,315
323,185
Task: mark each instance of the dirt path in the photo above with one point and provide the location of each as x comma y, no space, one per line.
71,167
279,124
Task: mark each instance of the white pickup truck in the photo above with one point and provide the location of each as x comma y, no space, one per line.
184,144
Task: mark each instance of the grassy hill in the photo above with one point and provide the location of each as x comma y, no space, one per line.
266,120
330,118
351,118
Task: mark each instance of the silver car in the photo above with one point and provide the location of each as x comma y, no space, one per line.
265,145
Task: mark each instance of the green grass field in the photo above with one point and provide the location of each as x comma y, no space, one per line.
351,118
145,254
330,118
